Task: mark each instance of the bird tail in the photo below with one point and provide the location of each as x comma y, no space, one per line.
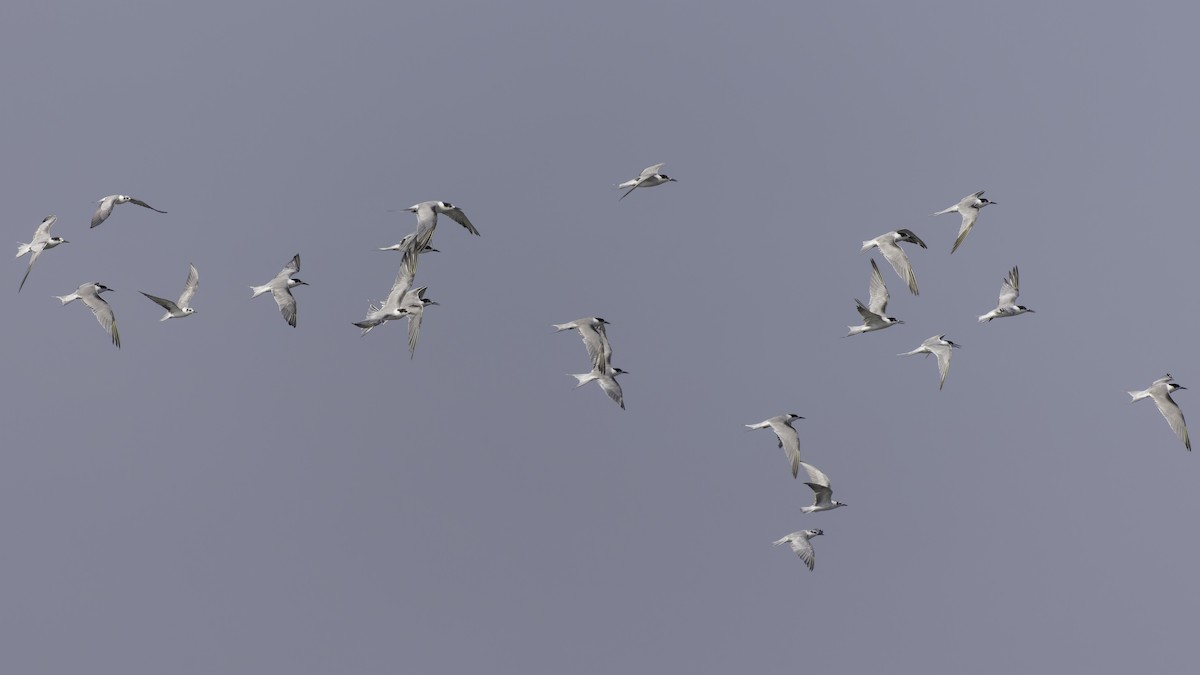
1137,395
64,299
583,378
984,318
777,542
561,326
944,211
22,249
867,245
256,291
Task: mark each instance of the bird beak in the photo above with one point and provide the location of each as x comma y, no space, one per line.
434,302
899,320
1181,387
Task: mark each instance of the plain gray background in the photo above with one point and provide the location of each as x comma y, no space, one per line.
230,495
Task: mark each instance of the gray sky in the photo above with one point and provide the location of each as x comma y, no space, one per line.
229,495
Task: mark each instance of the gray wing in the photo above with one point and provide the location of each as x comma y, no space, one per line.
289,269
189,287
815,475
104,210
969,214
613,388
1174,416
1010,289
286,302
879,291
942,352
869,318
822,494
594,341
404,281
42,233
803,548
414,330
899,260
651,170
104,315
789,440
34,253
142,203
162,302
456,214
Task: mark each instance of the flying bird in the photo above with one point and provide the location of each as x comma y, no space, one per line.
889,245
801,544
427,216
107,203
394,306
595,337
789,440
89,293
874,314
606,377
822,492
281,288
413,306
1160,392
1010,288
649,177
182,308
404,245
940,347
42,241
969,209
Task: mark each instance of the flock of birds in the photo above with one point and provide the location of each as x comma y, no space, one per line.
406,302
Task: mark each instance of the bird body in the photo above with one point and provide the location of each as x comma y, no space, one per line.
889,245
595,338
822,492
801,545
281,288
789,440
1010,288
968,207
42,241
89,293
649,177
182,308
1160,392
104,210
940,347
607,379
874,314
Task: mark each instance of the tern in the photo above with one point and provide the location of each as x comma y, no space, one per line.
182,308
281,287
42,241
595,337
789,440
940,347
413,306
89,293
969,209
822,493
606,377
1160,392
1010,288
889,245
107,203
394,306
801,544
427,214
649,177
874,314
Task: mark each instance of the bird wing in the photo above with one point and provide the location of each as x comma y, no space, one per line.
289,269
911,237
414,329
162,302
189,287
789,440
104,315
1010,289
636,185
822,494
403,282
651,170
142,203
801,546
286,301
104,210
879,291
456,214
969,214
942,352
42,233
815,475
1174,416
899,260
868,317
34,253
613,388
